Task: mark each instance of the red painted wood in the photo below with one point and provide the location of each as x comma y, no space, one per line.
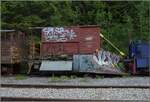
85,41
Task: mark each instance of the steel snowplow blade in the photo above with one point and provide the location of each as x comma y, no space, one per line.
56,66
104,63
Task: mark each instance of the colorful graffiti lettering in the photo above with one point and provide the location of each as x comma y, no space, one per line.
106,58
58,34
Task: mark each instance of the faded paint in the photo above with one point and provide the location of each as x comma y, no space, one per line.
89,38
58,34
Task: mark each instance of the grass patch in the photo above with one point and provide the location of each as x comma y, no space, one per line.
73,76
126,75
84,80
99,77
58,79
20,77
65,78
54,79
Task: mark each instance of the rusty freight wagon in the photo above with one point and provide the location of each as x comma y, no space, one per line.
12,50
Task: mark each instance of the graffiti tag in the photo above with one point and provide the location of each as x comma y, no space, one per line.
106,58
58,34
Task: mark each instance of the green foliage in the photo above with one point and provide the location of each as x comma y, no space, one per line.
99,77
60,78
20,77
73,76
120,21
55,79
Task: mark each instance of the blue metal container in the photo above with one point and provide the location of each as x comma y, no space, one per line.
139,51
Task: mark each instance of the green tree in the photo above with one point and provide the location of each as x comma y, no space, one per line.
119,20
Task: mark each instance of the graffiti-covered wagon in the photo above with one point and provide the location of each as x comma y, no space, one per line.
66,49
81,47
61,49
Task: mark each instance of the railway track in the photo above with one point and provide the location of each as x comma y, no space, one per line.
70,86
43,99
66,87
3,99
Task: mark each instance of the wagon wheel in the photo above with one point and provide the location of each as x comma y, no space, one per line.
132,67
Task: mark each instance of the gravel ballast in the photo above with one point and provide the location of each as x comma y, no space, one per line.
79,93
89,93
80,81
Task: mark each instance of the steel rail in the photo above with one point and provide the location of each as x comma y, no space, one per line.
60,100
71,86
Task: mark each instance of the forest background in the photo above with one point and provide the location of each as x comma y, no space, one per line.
120,21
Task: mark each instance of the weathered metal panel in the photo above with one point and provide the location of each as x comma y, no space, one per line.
56,66
72,40
11,39
90,63
83,63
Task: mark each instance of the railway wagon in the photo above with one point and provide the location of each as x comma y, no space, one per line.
81,45
70,40
12,50
73,49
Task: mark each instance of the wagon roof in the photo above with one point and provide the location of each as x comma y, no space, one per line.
80,26
6,30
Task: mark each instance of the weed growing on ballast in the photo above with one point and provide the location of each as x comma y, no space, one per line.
20,77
